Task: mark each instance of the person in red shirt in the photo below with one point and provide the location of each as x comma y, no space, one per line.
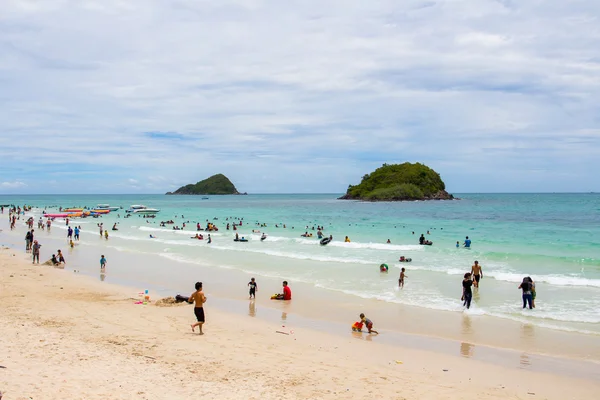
286,295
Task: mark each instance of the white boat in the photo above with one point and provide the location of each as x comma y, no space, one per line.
106,207
140,209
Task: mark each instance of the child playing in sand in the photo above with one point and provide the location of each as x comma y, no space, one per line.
401,280
253,288
368,323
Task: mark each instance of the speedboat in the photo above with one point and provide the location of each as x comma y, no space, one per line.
106,207
140,209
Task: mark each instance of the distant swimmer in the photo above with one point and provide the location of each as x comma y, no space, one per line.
422,239
457,244
467,242
401,279
114,228
477,273
152,237
389,241
347,240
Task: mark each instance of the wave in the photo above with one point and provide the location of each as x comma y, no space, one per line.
557,280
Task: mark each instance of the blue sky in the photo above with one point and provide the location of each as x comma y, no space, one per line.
143,96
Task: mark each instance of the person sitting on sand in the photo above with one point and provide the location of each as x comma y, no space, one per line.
287,293
368,323
198,298
54,260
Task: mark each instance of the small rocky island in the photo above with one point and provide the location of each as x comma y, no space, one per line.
399,182
215,185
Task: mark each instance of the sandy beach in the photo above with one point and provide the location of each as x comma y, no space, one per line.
66,335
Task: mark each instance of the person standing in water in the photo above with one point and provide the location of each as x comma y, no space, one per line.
467,243
477,273
467,293
532,291
198,299
526,286
102,263
401,280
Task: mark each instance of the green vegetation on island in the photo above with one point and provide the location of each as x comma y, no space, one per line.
398,182
216,184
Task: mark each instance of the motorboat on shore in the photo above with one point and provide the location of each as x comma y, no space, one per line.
140,209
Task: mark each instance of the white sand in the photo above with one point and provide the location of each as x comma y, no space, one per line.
66,336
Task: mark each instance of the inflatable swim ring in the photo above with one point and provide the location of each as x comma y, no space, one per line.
325,241
383,268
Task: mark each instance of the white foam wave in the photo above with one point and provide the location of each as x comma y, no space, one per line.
297,256
557,280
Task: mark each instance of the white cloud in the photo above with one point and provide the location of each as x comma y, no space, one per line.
13,185
288,89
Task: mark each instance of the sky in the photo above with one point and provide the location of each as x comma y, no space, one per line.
298,96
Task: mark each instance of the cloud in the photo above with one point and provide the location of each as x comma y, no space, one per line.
13,185
494,94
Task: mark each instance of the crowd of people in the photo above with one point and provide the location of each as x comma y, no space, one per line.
471,280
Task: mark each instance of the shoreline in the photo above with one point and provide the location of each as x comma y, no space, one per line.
145,351
130,268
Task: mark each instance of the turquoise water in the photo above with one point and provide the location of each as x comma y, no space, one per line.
554,238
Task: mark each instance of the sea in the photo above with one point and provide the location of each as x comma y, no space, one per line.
552,238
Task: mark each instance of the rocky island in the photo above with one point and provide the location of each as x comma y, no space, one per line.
399,182
215,185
